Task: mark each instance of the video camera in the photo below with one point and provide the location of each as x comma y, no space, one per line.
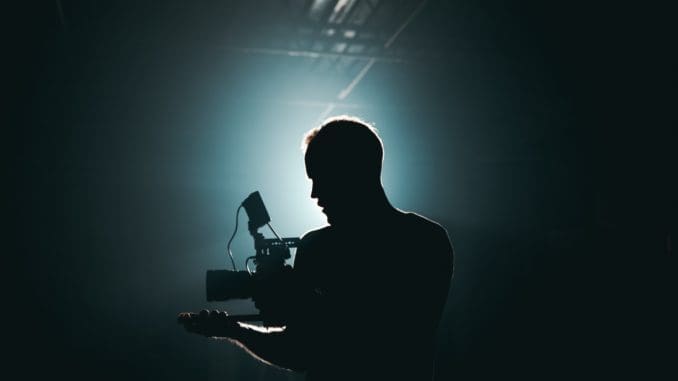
269,260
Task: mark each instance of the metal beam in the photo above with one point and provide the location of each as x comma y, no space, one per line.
348,89
314,54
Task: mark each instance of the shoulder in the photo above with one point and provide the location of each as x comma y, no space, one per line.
433,236
310,242
424,225
314,239
315,235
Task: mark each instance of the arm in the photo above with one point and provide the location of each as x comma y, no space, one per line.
284,297
274,346
289,347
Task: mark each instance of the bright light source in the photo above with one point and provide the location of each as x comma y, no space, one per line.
339,47
349,33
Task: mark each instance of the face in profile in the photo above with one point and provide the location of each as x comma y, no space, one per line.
339,196
332,197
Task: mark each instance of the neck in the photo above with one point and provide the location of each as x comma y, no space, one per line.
376,201
372,207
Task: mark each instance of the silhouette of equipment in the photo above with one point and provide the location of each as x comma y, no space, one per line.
270,274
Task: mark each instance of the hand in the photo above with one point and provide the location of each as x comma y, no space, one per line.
209,323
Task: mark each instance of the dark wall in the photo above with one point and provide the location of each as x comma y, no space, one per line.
563,178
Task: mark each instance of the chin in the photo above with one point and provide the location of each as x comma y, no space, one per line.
336,221
330,219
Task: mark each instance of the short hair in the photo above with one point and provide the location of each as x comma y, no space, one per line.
344,143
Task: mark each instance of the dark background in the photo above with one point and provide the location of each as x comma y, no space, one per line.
538,133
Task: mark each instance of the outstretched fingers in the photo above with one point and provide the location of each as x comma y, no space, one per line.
207,323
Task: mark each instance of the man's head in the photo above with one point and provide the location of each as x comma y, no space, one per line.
343,159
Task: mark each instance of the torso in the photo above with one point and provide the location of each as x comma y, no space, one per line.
380,296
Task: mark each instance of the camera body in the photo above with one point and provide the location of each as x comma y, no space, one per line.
222,285
271,276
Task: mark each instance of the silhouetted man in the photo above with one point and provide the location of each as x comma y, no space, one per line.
368,290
